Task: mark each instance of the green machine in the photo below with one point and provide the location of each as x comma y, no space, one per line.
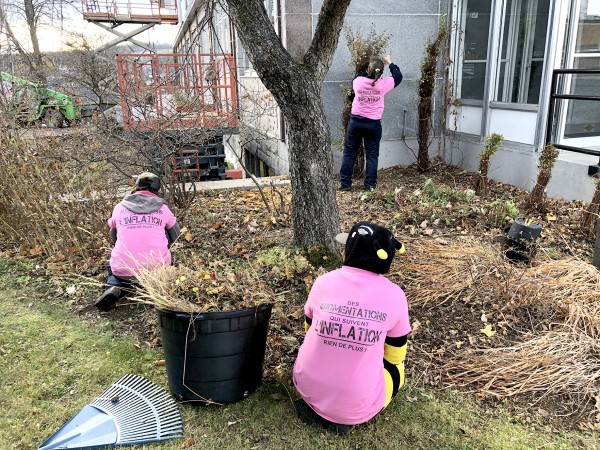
35,102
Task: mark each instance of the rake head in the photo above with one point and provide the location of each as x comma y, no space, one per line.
133,410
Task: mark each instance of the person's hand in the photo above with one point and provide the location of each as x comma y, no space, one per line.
387,59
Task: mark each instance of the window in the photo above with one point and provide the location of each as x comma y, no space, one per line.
583,116
475,24
522,53
520,49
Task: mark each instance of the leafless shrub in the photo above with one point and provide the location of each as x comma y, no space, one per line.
547,160
51,203
589,219
492,143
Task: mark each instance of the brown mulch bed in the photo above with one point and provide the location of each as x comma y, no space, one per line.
454,248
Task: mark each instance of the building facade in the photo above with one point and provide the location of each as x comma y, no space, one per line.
495,77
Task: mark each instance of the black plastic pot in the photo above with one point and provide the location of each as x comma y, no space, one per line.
214,357
520,230
520,241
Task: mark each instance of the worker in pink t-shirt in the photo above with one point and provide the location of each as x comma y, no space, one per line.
351,363
369,89
142,228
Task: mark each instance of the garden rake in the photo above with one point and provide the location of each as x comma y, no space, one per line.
133,410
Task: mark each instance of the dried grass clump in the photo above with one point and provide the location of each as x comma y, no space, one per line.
437,273
573,287
561,362
564,360
196,291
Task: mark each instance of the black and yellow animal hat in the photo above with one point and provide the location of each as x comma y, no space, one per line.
369,247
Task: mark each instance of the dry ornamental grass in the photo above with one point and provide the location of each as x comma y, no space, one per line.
561,360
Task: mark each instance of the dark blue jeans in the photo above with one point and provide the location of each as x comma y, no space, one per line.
113,280
361,129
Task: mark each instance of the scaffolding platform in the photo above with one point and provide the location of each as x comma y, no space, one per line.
177,91
129,11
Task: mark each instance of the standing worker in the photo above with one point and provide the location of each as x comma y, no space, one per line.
365,120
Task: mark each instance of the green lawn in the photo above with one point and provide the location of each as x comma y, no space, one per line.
52,364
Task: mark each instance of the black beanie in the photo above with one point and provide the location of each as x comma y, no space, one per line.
369,247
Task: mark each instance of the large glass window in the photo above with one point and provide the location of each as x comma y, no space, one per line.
523,39
521,49
583,116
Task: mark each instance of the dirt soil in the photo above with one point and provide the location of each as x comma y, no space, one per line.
229,224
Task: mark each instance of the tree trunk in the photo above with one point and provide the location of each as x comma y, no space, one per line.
315,214
297,88
36,60
481,185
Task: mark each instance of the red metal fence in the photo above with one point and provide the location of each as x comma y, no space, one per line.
175,91
132,11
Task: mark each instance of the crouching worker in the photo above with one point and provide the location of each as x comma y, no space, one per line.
350,365
142,227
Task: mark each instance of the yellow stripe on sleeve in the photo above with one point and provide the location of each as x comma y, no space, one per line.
395,355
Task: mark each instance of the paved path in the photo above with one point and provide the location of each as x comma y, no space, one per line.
245,183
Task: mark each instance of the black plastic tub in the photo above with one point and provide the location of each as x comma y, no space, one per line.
520,241
214,357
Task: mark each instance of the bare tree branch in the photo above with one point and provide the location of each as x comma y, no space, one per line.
327,33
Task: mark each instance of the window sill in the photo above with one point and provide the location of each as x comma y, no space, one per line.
499,105
469,102
514,106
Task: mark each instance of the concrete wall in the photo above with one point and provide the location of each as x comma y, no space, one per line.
516,164
409,25
260,130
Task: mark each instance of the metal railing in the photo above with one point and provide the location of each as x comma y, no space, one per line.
551,128
554,96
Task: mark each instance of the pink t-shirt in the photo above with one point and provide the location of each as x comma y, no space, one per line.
339,369
141,239
368,100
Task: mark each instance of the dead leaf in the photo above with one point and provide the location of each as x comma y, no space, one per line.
188,443
551,217
487,330
411,399
416,325
159,362
216,226
459,344
188,236
292,340
35,251
297,314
